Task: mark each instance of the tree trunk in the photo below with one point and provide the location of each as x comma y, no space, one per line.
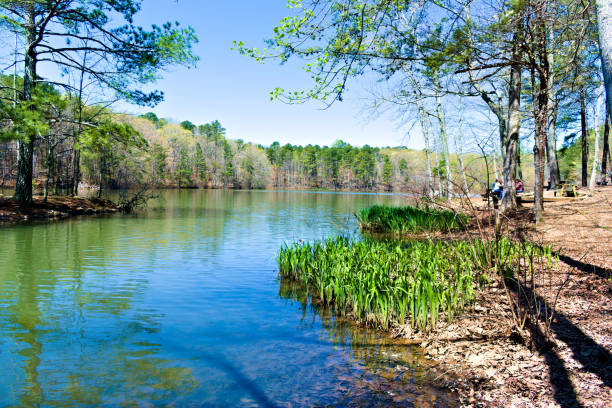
604,24
583,138
595,169
25,158
443,136
101,171
50,162
519,168
425,129
551,139
514,124
606,146
459,150
540,104
438,170
76,171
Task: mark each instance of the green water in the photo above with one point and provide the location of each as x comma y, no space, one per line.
180,305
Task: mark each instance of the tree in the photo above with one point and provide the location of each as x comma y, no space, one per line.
605,157
183,170
158,158
187,125
200,163
99,144
152,117
57,32
387,171
604,23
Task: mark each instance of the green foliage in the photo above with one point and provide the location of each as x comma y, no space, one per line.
570,155
183,170
213,131
130,56
152,117
228,171
386,282
402,220
32,118
200,163
387,170
187,125
158,158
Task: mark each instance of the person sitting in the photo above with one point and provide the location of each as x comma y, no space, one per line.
519,186
498,189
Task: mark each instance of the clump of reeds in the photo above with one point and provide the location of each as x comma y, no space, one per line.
408,219
389,282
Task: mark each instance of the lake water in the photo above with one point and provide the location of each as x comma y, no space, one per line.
180,305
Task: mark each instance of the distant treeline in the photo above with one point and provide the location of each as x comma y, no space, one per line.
80,144
118,151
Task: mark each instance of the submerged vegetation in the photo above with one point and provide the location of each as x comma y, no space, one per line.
408,219
392,282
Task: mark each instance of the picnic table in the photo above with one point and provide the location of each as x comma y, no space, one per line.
566,189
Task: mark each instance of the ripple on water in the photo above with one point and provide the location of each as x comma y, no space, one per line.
181,305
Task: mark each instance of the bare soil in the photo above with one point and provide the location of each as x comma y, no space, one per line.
483,358
56,207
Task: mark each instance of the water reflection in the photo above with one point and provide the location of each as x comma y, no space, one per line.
386,371
180,305
71,335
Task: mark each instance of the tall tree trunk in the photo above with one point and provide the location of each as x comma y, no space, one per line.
437,151
604,25
443,136
25,158
76,158
519,168
551,139
425,129
510,146
76,171
459,150
50,161
606,145
595,169
102,170
540,103
583,138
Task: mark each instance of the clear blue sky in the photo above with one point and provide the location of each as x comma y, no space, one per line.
233,89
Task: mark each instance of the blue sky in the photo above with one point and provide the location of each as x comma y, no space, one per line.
233,89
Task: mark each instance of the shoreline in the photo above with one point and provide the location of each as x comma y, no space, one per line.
56,208
488,364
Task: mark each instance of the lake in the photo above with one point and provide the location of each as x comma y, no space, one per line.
180,305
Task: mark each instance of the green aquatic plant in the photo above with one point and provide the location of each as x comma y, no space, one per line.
387,282
408,219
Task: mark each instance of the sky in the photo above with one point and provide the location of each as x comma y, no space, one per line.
234,89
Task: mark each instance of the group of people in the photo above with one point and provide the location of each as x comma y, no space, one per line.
498,188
